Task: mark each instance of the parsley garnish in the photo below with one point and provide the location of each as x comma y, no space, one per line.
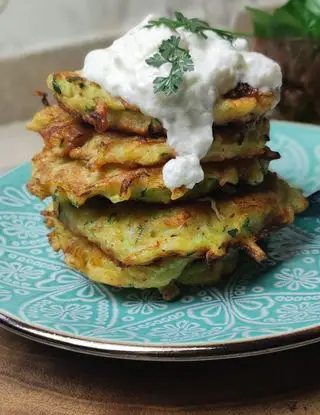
180,59
193,25
171,52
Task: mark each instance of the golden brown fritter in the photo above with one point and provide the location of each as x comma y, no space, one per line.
52,173
66,135
137,234
88,258
97,107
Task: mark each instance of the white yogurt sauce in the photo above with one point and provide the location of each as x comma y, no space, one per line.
219,65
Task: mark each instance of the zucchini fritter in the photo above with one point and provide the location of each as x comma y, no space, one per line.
97,107
88,258
66,135
136,234
52,173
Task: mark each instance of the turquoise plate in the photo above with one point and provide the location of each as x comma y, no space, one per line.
262,308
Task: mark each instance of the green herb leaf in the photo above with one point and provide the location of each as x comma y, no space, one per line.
156,60
162,21
183,61
171,52
168,85
89,108
140,230
169,48
111,217
55,85
179,58
233,232
262,22
297,18
193,25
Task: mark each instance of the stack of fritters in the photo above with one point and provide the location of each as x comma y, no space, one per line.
113,216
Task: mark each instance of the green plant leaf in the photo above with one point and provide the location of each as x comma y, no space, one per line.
233,232
193,25
179,58
168,48
170,51
156,60
313,6
167,85
262,22
297,18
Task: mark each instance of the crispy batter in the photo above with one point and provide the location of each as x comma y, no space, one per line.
44,98
52,173
88,258
60,131
88,100
136,234
67,135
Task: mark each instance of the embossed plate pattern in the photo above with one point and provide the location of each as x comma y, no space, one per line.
259,309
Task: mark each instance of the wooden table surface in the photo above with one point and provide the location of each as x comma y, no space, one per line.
38,379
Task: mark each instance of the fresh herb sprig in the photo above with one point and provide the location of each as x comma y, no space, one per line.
194,25
179,58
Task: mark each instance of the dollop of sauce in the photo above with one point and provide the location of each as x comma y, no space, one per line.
219,65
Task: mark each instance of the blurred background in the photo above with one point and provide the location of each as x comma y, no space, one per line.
41,36
33,25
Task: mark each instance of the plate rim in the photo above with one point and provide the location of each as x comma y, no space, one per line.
196,352
165,352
